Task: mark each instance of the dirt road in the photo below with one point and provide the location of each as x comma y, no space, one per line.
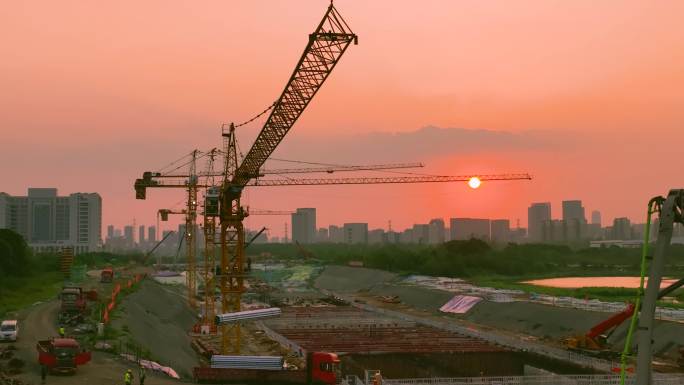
37,323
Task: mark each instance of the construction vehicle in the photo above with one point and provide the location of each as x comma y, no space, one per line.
9,330
595,341
62,355
321,368
671,211
73,305
107,275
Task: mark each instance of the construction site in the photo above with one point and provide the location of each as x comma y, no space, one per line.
223,313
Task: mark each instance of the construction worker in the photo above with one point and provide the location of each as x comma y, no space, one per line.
377,378
61,331
141,375
128,377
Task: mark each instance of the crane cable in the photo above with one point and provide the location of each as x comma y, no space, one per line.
342,165
258,115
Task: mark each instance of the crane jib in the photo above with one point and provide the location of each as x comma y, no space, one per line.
324,49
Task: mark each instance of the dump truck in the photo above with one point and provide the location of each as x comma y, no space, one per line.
107,275
73,304
321,369
62,355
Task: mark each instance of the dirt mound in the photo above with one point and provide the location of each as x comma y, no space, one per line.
556,323
343,279
159,319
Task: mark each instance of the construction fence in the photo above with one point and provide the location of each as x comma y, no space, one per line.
673,379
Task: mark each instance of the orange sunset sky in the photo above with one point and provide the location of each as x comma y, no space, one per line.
588,96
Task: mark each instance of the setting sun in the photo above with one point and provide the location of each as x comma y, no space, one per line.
474,182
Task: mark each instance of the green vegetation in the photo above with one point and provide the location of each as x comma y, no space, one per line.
98,260
475,258
24,278
504,268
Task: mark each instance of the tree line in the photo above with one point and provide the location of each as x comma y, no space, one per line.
466,258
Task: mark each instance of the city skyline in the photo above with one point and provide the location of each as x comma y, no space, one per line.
581,110
557,214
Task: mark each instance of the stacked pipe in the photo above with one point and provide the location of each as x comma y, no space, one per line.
247,362
247,315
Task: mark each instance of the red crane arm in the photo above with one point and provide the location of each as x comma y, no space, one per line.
611,322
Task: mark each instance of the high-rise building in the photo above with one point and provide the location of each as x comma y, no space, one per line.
128,236
573,210
110,231
436,231
421,234
500,230
336,234
575,221
466,228
152,234
537,214
518,234
406,236
376,236
49,222
141,235
622,229
322,235
596,217
355,232
304,225
553,231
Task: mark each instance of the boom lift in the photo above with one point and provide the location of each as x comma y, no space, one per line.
596,339
671,211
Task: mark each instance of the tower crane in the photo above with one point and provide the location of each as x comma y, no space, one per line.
324,169
209,213
323,51
191,275
190,184
268,212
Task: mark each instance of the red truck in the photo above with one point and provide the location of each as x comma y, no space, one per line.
62,354
107,275
73,304
321,368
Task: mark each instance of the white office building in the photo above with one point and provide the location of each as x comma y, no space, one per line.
50,222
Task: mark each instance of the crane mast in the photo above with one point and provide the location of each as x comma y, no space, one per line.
210,211
190,231
326,45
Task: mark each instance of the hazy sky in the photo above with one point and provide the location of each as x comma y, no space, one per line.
587,96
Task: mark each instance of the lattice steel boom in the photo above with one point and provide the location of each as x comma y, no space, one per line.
326,45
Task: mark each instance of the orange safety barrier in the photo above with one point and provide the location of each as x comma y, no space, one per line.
115,292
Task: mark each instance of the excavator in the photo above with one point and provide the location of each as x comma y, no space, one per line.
595,341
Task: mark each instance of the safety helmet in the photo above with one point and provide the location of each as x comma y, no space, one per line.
129,371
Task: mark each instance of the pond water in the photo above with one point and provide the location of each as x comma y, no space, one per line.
579,282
